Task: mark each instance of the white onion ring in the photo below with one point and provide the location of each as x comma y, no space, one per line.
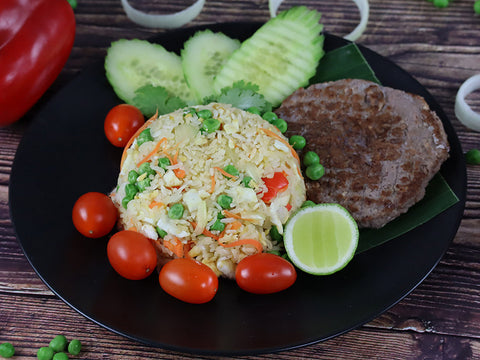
362,5
463,111
165,21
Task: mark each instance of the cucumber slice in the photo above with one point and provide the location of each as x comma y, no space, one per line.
202,57
279,57
131,64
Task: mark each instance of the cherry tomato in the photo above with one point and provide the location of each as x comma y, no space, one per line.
275,185
265,273
132,255
121,123
188,280
94,215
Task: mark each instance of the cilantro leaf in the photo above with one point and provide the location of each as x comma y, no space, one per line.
242,95
149,99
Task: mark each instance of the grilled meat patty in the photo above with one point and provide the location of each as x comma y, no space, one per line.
380,146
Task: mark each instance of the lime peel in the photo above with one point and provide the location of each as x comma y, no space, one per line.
321,239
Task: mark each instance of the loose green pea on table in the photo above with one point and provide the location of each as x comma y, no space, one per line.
7,350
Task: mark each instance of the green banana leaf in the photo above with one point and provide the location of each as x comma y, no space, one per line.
348,62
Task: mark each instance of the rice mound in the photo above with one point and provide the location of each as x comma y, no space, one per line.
194,179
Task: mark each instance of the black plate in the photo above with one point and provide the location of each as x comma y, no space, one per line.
64,154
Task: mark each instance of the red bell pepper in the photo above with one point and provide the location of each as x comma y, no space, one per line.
276,184
36,38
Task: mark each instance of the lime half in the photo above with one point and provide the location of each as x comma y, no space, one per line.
321,239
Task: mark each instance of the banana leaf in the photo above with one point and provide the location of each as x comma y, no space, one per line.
348,62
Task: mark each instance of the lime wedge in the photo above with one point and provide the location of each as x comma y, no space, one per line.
321,239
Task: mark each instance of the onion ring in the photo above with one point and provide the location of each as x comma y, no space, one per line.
362,5
463,111
165,21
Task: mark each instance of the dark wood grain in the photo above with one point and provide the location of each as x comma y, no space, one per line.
438,320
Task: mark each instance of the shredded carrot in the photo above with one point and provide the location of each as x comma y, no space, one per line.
153,152
155,203
134,136
174,246
206,232
186,249
179,173
175,157
235,216
276,136
224,173
252,242
133,228
212,189
289,206
234,225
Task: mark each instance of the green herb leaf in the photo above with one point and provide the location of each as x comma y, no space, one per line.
149,99
342,63
241,95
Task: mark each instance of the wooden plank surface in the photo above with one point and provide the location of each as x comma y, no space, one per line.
438,320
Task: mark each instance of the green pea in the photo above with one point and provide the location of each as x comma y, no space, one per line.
210,125
246,181
146,168
73,3
232,170
131,190
143,184
220,216
176,211
60,356
144,137
74,347
472,157
315,171
190,111
298,142
7,350
281,125
440,3
45,353
58,343
161,233
270,116
311,158
254,110
164,162
125,201
308,203
204,114
274,234
224,201
476,7
132,176
218,225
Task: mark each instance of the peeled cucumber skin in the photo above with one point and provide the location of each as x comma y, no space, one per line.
131,64
202,57
280,57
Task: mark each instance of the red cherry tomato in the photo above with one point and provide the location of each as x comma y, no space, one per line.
265,273
275,185
132,255
121,123
94,215
188,280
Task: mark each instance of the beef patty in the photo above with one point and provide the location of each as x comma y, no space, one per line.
380,146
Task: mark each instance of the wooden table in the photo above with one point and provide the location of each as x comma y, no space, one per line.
438,320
